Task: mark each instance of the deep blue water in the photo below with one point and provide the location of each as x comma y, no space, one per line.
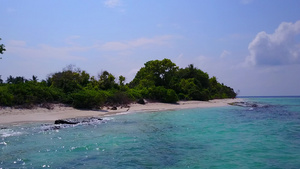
264,136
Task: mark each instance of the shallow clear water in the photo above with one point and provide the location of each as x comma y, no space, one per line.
266,136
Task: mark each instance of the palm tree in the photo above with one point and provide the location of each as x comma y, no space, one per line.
2,49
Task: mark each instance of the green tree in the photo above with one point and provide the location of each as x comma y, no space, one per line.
162,94
215,88
1,81
106,80
220,91
2,48
34,78
159,72
121,80
70,79
6,97
201,78
16,80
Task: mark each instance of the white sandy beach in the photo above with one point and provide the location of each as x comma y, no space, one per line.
11,115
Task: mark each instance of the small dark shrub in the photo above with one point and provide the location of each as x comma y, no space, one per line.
119,98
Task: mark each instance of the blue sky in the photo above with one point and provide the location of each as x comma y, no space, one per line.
250,45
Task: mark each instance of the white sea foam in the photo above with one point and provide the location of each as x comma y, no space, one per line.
9,132
124,113
4,143
108,118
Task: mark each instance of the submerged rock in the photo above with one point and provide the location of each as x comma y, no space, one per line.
77,120
72,122
254,105
243,104
249,104
64,122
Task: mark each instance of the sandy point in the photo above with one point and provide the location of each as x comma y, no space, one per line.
11,115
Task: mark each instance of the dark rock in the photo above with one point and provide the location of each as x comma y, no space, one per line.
254,105
141,101
65,122
114,108
55,128
77,120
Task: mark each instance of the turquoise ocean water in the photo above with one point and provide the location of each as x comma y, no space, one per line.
264,136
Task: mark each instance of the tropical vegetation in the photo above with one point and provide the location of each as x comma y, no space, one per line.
158,80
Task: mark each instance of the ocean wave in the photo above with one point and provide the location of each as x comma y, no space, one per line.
9,133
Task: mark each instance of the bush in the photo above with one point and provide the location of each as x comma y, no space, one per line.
119,98
170,97
58,95
6,98
162,94
88,99
30,93
182,96
134,94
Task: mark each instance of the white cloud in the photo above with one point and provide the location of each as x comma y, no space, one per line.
112,3
71,39
279,48
140,42
224,54
20,48
115,46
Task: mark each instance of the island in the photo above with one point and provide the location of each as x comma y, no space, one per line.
159,82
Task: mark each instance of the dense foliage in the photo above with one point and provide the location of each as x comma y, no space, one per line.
158,80
190,83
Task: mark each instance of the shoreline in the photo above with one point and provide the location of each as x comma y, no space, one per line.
21,116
